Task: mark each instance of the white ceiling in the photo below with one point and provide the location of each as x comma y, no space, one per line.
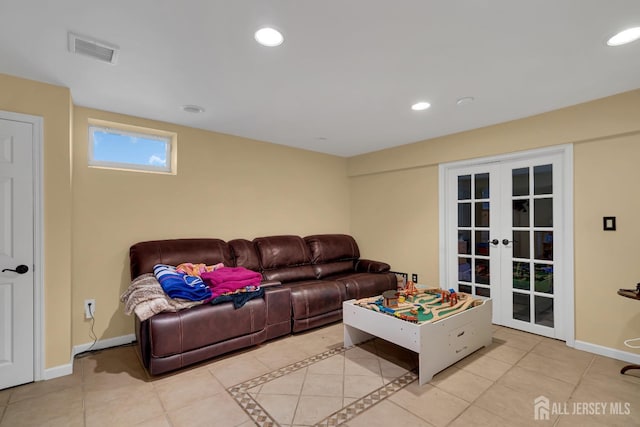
349,70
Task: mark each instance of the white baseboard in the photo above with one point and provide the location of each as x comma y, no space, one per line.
62,370
57,371
625,356
100,344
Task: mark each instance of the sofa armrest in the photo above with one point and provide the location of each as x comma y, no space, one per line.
369,266
278,301
270,283
278,305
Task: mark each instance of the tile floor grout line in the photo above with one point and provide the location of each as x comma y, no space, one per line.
239,394
295,411
328,421
530,351
581,378
247,402
494,383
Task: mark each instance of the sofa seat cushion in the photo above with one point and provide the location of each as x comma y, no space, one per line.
175,333
363,285
315,297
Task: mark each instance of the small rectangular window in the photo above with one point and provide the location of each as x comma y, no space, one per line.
118,146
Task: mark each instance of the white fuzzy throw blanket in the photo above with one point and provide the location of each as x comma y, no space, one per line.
145,297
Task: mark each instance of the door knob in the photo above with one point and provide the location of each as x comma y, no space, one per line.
494,241
507,241
21,269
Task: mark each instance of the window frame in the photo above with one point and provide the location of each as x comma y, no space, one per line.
170,138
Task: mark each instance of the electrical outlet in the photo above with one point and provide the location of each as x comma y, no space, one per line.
414,278
89,308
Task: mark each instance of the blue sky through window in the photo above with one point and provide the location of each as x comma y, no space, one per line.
115,147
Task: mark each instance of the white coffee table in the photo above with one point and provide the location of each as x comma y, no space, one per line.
439,344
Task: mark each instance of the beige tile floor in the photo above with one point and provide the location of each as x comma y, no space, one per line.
495,386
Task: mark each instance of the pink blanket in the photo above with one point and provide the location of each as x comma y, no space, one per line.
229,279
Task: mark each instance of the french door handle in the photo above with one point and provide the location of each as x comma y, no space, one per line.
494,242
21,269
507,241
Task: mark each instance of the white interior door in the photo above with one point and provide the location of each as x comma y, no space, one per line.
16,249
505,238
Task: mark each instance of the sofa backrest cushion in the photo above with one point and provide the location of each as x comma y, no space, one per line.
332,253
284,258
144,255
244,253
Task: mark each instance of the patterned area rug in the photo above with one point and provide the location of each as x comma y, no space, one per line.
327,389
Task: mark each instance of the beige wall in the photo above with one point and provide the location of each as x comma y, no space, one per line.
394,196
606,184
231,187
394,219
226,187
53,104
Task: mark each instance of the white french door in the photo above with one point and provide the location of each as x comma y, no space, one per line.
505,238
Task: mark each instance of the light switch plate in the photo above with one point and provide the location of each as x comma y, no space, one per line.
609,223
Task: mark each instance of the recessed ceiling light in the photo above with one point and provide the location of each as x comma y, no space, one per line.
623,37
269,37
192,109
465,100
419,106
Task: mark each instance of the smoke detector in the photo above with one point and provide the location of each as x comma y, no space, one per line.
93,48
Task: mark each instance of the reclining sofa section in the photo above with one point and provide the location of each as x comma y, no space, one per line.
305,280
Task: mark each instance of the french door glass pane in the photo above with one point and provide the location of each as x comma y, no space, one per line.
544,278
464,269
542,179
483,292
543,245
521,275
543,212
521,244
482,186
464,288
483,272
464,215
520,181
520,213
482,214
544,311
464,187
521,307
464,242
482,242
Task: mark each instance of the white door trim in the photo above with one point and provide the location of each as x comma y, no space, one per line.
38,237
566,151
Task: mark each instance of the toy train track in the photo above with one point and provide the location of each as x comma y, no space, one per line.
426,306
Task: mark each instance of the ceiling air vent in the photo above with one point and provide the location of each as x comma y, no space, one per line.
96,49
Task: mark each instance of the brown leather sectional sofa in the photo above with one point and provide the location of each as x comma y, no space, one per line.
305,280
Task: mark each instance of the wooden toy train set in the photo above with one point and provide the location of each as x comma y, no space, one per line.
420,306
